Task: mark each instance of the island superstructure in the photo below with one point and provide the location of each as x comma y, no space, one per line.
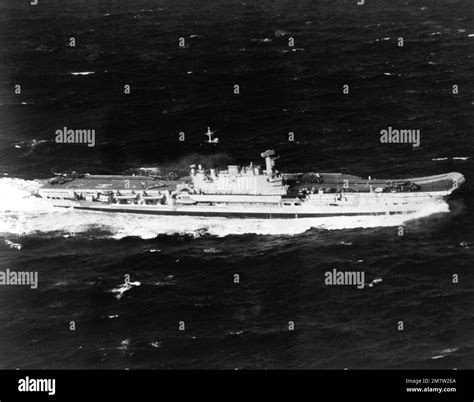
251,191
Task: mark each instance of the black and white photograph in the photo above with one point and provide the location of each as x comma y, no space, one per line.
237,185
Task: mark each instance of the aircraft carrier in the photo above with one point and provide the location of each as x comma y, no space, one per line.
251,191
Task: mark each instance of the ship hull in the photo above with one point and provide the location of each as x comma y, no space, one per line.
241,215
249,211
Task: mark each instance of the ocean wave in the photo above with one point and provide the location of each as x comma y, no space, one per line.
454,158
124,287
17,196
444,353
280,33
212,250
24,214
82,72
168,280
30,143
124,344
261,40
375,281
13,245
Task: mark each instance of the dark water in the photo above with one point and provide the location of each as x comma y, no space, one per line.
186,267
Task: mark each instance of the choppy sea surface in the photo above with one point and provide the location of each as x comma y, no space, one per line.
183,269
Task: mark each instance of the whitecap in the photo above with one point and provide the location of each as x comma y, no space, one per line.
449,350
166,282
264,40
82,72
124,287
343,243
212,250
29,143
375,281
16,246
444,352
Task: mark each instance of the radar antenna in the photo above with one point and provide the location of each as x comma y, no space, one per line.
269,156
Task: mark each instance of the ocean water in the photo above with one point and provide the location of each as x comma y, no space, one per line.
182,269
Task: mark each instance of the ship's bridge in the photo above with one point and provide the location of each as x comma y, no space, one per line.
240,180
